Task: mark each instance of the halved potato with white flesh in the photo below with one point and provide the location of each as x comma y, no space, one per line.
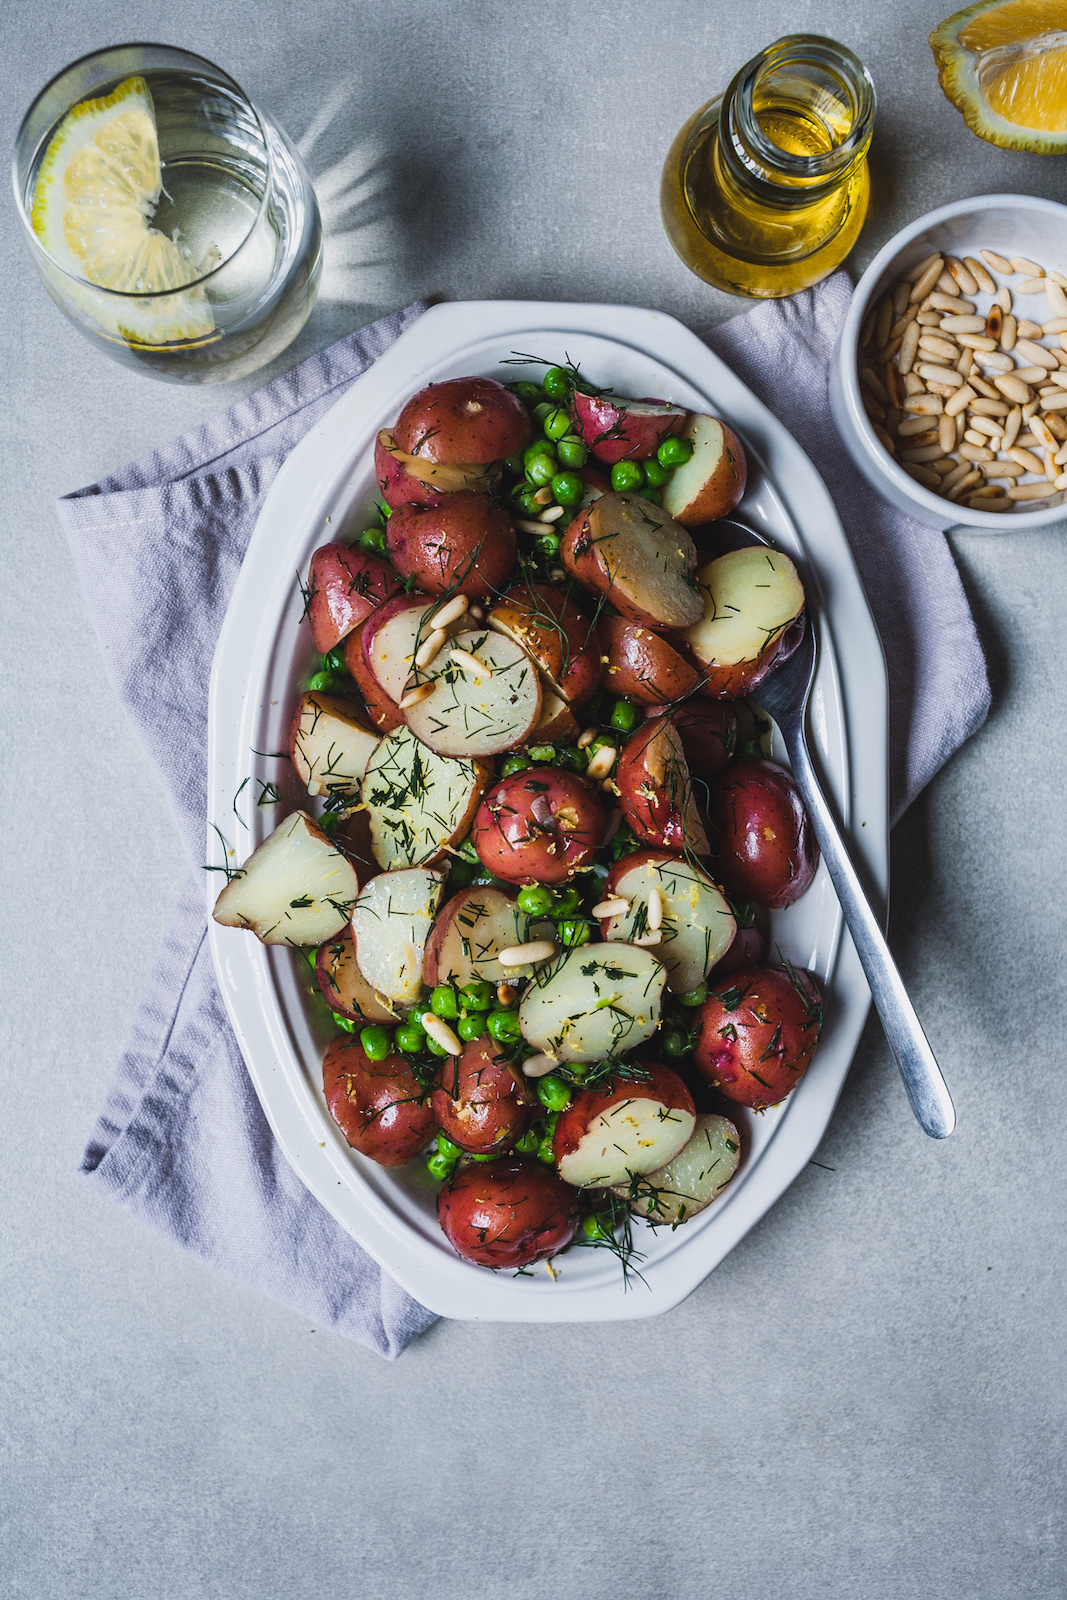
393,637
468,935
296,888
328,744
636,556
418,801
712,481
695,1177
751,596
630,1125
391,923
557,720
596,1001
344,988
695,922
485,699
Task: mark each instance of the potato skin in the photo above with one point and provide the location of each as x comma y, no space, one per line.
723,487
656,791
463,421
343,986
615,431
548,624
756,1033
642,665
749,949
507,1213
709,737
761,834
345,584
592,533
466,545
480,1103
538,826
401,486
383,714
731,682
664,1085
378,1105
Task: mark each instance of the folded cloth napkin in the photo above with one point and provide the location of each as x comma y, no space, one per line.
181,1141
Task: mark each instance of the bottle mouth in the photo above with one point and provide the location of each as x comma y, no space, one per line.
828,97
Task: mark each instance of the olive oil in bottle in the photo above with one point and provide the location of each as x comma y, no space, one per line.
765,189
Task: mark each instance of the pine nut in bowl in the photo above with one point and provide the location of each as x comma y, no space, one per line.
949,381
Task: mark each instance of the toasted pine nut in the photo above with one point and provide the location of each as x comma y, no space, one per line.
987,503
1028,491
1057,325
959,489
914,425
908,345
553,514
925,405
994,323
986,425
526,525
929,319
1032,374
544,496
947,283
884,322
895,385
870,380
912,274
977,341
1013,388
928,452
867,328
1031,268
1036,354
962,470
983,387
655,909
943,375
964,279
1057,277
527,955
451,611
974,438
414,696
1009,333
476,612
998,263
924,475
901,298
1057,299
993,361
884,439
468,663
441,1033
980,275
601,763
946,302
431,647
946,432
1031,286
975,452
1012,425
586,738
937,346
538,1066
960,400
1000,469
1003,298
611,908
645,939
1028,330
944,465
990,408
1044,436
923,285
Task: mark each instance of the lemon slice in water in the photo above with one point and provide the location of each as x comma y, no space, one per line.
95,192
1003,63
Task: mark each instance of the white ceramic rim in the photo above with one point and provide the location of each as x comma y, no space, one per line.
317,476
869,285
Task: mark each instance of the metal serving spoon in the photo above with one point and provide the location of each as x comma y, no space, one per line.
784,696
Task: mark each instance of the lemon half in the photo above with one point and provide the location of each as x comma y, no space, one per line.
96,189
1003,63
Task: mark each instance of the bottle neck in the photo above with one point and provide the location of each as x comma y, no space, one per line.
796,121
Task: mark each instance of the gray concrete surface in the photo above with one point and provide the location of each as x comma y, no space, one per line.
865,1402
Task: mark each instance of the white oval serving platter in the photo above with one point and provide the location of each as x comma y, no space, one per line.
323,492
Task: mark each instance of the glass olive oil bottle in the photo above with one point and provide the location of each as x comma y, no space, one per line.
765,189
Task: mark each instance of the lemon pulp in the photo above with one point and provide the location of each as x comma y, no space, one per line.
95,191
1003,63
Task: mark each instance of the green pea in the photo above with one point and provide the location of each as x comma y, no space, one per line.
324,682
440,1166
572,452
527,1145
597,1227
567,901
344,1023
417,1012
471,1028
568,488
486,1155
556,424
334,661
434,1048
674,1043
373,539
536,901
539,447
444,1002
545,1152
674,452
542,753
447,1148
553,1093
695,997
603,741
377,1043
515,764
515,464
557,384
531,394
545,409
548,546
409,1038
656,474
626,475
503,1026
571,757
460,875
478,996
653,496
528,504
625,716
541,470
328,822
573,932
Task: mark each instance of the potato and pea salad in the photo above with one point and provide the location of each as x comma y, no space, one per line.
542,831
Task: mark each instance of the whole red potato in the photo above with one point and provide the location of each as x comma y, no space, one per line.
538,826
410,481
756,1033
463,421
656,791
378,1105
615,429
761,834
507,1213
708,730
466,545
480,1101
345,584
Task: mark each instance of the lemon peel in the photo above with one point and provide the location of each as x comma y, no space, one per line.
1003,64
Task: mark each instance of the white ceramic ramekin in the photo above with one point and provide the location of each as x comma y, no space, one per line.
1012,225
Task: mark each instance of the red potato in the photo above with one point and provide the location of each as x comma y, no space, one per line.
345,584
749,949
557,719
551,628
625,1126
712,481
296,888
595,1001
484,697
709,737
538,826
753,601
642,665
480,1102
635,555
466,545
468,935
766,850
418,803
344,988
391,640
391,923
382,711
697,926
378,1105
693,1179
615,429
656,791
409,481
756,1034
328,744
507,1213
463,420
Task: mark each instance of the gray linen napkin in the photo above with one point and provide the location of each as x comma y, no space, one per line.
181,1141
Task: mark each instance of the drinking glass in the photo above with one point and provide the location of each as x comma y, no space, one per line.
204,277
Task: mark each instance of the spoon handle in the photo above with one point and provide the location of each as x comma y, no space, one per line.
927,1090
